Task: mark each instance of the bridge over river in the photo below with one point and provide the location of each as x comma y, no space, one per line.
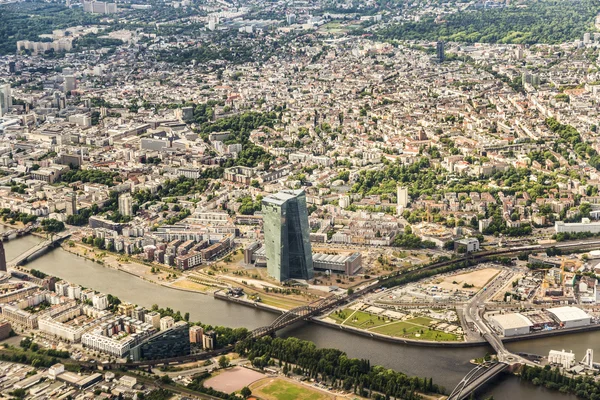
38,249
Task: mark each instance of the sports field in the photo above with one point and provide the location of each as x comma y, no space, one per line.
233,380
282,389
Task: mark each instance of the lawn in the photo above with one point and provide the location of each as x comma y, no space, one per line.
190,285
286,304
279,389
410,331
341,317
364,320
421,321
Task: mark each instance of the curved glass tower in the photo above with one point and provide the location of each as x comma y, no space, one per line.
287,242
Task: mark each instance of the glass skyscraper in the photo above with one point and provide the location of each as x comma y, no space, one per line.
287,242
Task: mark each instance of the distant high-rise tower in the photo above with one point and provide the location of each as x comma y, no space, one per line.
212,24
12,67
126,204
5,98
287,243
71,204
519,53
2,257
441,52
70,83
402,194
291,19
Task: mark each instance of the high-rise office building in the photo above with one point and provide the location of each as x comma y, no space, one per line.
441,52
212,24
70,83
5,98
287,244
126,204
99,7
71,204
402,198
12,67
2,257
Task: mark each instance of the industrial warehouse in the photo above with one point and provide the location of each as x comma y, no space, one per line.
523,323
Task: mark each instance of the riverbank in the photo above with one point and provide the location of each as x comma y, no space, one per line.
137,269
405,341
193,280
447,365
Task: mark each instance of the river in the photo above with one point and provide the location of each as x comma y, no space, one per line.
445,366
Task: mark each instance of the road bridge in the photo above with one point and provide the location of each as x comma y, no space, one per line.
476,378
5,236
473,313
38,249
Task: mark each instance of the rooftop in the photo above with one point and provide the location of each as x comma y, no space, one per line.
568,313
512,321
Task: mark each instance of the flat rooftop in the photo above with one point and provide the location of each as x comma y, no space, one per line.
282,197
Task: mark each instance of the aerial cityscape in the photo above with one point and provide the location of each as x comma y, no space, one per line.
313,200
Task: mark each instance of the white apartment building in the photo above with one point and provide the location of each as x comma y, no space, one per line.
100,301
117,336
153,318
54,321
166,323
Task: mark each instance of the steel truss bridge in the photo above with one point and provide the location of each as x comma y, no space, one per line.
296,315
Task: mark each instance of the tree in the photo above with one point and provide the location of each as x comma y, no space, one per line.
246,392
223,362
53,225
19,393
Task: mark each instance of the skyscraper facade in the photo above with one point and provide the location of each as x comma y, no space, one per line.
126,204
5,98
441,51
71,204
287,243
2,257
402,197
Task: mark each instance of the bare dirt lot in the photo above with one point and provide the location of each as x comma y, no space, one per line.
476,278
233,379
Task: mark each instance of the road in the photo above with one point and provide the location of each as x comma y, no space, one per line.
473,312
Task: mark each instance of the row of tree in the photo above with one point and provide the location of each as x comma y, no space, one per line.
90,175
335,368
586,388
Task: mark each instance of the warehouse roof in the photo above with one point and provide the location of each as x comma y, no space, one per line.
512,321
567,313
